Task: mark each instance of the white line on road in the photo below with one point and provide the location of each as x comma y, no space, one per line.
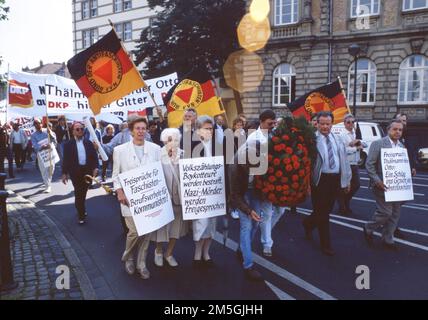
279,293
415,193
278,270
419,233
405,206
351,226
415,184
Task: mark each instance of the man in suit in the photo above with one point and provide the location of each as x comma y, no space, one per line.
330,173
387,214
80,159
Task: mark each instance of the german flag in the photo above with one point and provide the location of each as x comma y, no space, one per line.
195,90
326,98
104,72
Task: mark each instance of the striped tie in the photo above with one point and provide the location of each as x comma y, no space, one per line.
331,162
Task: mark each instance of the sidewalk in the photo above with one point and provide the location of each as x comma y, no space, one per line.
38,247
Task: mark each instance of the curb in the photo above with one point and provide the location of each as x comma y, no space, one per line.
76,265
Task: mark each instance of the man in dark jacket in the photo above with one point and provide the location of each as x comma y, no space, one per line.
80,159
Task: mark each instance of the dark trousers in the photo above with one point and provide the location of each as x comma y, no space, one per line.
80,190
345,198
323,198
9,156
19,155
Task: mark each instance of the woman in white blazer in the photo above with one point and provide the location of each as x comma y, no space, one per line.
170,157
128,156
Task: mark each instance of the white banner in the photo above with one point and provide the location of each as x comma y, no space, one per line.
148,197
61,96
48,157
202,187
397,175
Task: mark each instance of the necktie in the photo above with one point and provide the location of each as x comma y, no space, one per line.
330,153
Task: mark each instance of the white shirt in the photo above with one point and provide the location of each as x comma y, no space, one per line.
393,144
326,166
352,152
260,135
207,148
17,137
139,151
81,152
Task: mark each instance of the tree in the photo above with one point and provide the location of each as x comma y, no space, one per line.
188,35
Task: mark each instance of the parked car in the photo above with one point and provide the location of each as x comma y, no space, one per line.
423,157
370,132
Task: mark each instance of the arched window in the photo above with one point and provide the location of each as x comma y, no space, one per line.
413,80
366,82
284,84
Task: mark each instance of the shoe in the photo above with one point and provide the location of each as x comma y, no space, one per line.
239,255
399,234
171,261
234,214
253,275
328,251
130,267
158,259
267,252
81,222
208,263
144,273
308,231
197,263
390,246
368,236
48,190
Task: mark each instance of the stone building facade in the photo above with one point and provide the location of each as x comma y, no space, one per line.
313,42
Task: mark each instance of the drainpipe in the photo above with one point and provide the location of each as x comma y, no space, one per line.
330,34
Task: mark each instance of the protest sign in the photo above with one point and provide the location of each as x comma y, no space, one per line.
202,187
48,156
397,175
148,197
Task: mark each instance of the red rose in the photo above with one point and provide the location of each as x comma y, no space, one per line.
289,150
287,160
289,167
285,137
272,179
277,162
284,179
294,158
285,187
295,178
295,185
265,190
296,165
271,187
301,173
278,188
278,174
271,170
275,139
271,197
278,147
270,158
301,138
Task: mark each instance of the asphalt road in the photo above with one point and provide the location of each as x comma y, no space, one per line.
297,269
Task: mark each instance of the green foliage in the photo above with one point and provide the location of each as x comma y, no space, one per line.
189,35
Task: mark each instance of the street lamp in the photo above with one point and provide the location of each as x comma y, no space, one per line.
354,50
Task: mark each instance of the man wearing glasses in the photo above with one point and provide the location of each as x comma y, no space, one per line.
353,148
80,159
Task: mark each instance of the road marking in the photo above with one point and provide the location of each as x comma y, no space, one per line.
419,233
415,184
278,270
415,193
405,206
278,292
351,226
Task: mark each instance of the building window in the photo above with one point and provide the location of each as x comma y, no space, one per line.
361,8
414,4
89,37
124,30
89,9
284,85
413,80
286,12
122,5
85,10
366,82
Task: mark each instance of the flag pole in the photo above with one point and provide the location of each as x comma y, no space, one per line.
344,95
132,61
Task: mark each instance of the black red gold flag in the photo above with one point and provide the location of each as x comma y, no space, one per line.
104,72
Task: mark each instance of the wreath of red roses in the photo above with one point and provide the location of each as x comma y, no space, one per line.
292,150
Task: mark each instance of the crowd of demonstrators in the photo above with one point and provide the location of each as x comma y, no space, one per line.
139,142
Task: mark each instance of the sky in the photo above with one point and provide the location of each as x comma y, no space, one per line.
36,30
